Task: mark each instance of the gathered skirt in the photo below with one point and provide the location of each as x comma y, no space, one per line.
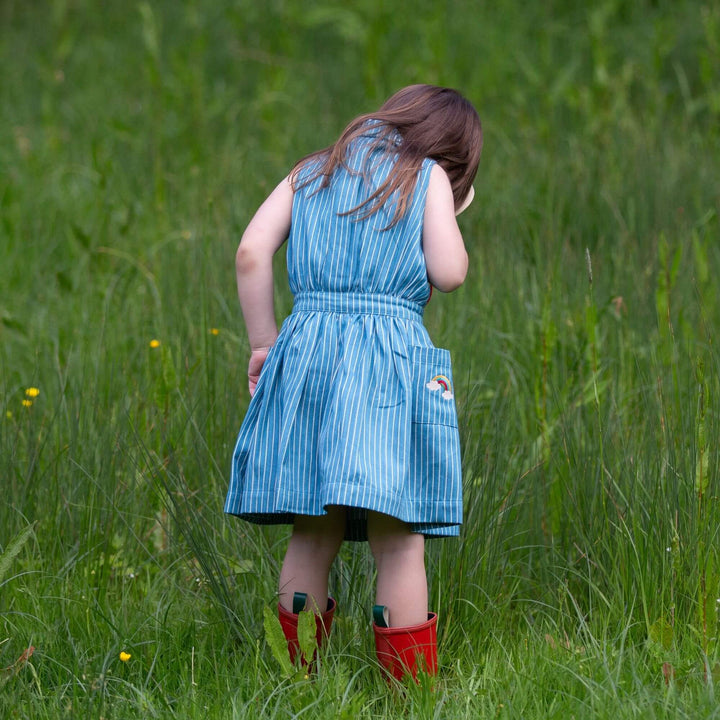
354,407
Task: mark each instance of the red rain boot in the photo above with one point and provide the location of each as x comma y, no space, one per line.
405,650
289,623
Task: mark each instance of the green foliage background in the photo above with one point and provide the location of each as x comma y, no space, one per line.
136,140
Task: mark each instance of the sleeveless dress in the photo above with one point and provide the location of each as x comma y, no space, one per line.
354,405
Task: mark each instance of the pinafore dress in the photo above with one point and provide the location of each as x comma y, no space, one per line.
354,405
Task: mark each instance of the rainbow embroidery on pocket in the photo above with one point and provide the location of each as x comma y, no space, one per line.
441,382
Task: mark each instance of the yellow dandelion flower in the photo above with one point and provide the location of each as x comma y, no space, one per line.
32,392
125,656
214,331
27,403
154,343
8,415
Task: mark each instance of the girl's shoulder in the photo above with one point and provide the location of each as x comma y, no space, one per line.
307,168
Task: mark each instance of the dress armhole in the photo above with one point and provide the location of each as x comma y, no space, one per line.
423,181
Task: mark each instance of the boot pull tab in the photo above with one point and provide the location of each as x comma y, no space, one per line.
381,616
299,600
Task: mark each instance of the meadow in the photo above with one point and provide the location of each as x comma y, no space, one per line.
137,139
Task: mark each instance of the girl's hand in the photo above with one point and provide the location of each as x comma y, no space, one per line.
466,202
257,360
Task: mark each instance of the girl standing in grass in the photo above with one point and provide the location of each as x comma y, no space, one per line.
351,432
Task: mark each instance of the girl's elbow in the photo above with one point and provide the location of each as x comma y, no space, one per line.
246,258
449,281
455,277
455,282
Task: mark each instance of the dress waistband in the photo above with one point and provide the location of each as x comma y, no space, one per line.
357,304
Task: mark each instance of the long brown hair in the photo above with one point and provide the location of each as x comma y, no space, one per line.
433,122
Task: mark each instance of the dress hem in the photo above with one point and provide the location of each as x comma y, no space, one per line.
283,513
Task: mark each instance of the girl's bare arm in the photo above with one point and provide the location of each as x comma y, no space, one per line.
443,247
266,232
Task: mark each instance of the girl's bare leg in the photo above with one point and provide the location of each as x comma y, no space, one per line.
400,559
313,546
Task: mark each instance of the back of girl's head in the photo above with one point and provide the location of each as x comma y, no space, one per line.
441,124
433,122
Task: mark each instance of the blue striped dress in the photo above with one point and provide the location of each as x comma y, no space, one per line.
354,405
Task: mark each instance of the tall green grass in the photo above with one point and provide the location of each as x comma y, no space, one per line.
136,141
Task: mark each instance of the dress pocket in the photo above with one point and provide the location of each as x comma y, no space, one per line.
433,394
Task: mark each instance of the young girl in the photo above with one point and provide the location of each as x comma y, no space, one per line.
351,432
